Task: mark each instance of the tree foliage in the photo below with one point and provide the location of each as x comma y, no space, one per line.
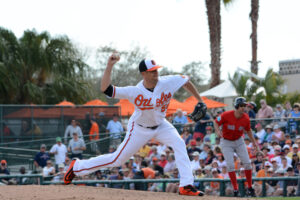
40,69
268,88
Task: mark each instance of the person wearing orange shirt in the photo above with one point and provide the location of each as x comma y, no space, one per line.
94,131
94,135
214,188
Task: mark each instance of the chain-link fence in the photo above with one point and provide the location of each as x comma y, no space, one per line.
36,122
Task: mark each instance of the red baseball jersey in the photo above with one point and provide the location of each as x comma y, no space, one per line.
233,128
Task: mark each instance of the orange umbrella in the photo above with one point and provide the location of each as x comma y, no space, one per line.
127,108
174,105
95,102
192,101
65,103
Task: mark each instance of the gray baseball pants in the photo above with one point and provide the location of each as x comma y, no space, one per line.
238,146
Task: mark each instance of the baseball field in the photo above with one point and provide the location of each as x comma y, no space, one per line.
60,192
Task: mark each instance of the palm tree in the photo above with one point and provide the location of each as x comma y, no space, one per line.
214,24
254,18
39,69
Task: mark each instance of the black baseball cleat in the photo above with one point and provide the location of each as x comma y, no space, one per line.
251,192
236,193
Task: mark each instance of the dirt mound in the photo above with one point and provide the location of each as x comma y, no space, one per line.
60,192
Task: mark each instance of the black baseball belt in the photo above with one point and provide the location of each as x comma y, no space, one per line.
150,127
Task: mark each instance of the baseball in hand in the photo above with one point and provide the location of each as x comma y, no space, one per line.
115,56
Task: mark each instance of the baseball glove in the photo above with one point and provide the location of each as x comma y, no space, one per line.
199,112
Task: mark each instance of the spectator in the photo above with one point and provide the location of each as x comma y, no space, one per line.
221,161
295,161
23,180
214,188
295,113
40,159
115,129
36,130
156,166
269,133
4,171
102,122
278,135
200,127
179,120
210,135
186,135
279,112
203,154
171,165
60,174
71,129
260,132
67,163
291,184
250,110
173,187
195,164
297,170
119,176
94,135
288,109
267,171
48,171
275,165
210,157
284,164
163,160
192,148
265,111
144,151
259,161
59,151
76,146
153,153
279,187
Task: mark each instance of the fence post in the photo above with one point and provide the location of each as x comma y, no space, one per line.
222,188
241,187
164,186
284,188
264,189
1,123
41,180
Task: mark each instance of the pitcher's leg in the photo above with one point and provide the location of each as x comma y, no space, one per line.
169,136
133,141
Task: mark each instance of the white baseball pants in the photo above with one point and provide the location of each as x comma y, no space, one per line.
137,137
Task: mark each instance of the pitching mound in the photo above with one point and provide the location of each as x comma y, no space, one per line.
36,192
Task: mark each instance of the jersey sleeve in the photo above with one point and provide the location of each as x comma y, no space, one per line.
175,82
220,119
123,92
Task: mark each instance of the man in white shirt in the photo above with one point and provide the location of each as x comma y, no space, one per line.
115,128
71,129
59,150
260,132
195,162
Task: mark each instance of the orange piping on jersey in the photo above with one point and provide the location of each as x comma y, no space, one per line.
146,108
114,92
115,158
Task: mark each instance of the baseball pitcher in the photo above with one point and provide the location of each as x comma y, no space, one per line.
151,98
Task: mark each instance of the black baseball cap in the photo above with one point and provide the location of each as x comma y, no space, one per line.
148,65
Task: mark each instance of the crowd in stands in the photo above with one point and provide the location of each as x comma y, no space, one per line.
279,141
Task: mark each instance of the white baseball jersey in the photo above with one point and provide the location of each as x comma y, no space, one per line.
150,111
150,107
